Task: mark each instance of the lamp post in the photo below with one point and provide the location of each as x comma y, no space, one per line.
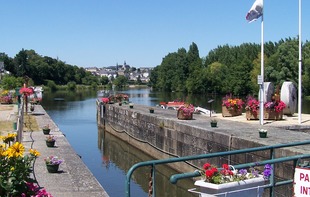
299,66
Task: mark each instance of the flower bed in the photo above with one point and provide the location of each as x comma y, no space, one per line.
252,108
231,106
185,112
228,180
16,169
274,110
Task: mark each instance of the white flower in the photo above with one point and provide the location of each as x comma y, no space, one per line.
262,130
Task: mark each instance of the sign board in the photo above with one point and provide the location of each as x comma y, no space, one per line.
259,80
302,182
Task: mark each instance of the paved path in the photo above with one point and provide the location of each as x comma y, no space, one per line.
74,178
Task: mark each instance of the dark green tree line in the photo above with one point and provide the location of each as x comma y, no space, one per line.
43,69
232,69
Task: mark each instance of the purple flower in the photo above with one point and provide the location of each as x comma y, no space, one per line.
254,172
267,171
243,172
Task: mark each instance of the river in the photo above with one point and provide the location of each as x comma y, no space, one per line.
107,157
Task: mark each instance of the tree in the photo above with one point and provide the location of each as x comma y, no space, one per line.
120,81
104,80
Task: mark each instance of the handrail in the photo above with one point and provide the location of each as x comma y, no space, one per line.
272,161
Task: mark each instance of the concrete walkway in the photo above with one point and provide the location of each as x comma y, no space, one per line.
74,178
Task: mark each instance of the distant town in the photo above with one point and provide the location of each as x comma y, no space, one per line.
131,73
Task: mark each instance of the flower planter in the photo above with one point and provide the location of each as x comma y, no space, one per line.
131,106
250,115
50,143
213,124
262,134
52,168
46,131
151,111
182,116
249,187
272,115
230,112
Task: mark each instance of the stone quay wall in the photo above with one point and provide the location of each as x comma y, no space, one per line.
162,136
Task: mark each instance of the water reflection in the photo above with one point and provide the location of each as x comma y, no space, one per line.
123,155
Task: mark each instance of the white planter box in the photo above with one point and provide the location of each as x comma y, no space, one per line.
248,188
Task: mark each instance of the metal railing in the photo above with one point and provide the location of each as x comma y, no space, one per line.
272,160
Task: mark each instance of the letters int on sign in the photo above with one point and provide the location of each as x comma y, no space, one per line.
301,182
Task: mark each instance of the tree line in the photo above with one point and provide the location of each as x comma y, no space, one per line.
225,69
44,70
232,69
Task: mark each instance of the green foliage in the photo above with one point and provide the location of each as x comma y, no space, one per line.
51,85
10,82
120,81
39,69
231,69
104,80
71,85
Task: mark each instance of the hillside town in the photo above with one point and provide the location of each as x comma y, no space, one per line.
131,73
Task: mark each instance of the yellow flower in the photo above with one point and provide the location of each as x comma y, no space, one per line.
16,150
2,149
34,152
12,169
9,138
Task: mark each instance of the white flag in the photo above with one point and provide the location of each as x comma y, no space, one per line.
255,12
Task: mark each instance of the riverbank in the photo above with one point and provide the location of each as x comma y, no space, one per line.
74,179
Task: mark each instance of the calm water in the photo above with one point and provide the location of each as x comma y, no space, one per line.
107,157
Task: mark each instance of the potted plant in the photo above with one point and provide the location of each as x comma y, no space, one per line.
50,141
17,168
231,106
274,110
120,103
185,112
213,123
252,108
262,133
151,110
52,163
31,107
243,182
46,130
131,105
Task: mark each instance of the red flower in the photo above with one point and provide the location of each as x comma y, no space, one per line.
209,173
252,104
225,166
206,166
26,91
232,104
105,100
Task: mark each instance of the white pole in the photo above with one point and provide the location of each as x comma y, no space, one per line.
300,66
261,104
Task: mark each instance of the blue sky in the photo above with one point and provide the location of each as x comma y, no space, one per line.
141,32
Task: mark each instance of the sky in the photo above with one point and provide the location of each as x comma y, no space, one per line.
102,33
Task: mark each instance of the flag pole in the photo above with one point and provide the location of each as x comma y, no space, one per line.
300,67
261,104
